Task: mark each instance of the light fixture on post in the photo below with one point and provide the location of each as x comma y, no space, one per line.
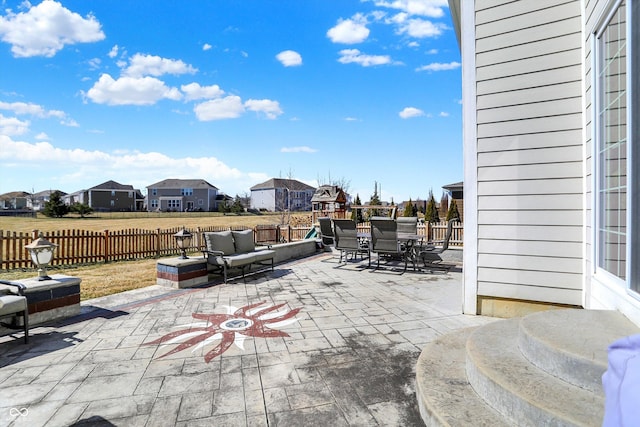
41,251
183,240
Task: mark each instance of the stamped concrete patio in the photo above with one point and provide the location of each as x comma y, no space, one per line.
313,343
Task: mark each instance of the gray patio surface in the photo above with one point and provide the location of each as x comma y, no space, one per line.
341,351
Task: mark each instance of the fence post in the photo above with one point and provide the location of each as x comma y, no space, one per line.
107,246
158,243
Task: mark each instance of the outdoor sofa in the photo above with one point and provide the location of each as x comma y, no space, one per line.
226,250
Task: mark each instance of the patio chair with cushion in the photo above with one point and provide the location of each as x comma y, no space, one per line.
346,238
326,231
407,224
431,255
12,305
384,240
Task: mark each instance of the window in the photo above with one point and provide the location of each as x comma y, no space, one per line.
615,162
154,191
154,203
113,193
131,194
187,192
173,204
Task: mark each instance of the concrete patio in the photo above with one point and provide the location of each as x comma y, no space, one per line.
326,344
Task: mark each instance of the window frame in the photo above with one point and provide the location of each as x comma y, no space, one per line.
632,274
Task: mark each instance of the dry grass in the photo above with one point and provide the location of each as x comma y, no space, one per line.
140,220
106,279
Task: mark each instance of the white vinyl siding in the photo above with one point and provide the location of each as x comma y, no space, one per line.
530,186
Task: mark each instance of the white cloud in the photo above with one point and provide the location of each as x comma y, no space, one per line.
195,91
24,108
430,8
301,149
420,28
443,114
131,91
113,52
46,28
351,119
289,58
229,107
348,56
437,66
42,136
79,168
349,31
35,110
151,65
206,46
13,126
410,112
271,109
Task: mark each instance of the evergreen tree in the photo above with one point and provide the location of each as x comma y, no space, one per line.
81,209
444,203
356,214
453,213
55,207
408,209
223,207
237,207
374,201
431,215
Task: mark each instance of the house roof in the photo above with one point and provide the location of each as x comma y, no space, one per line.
328,193
454,187
183,183
47,193
291,184
112,185
13,195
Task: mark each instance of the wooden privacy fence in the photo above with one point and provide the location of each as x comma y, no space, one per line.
89,247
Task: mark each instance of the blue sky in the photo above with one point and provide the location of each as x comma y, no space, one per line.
234,92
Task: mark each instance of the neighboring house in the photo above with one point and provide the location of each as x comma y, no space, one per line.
182,195
37,201
329,200
278,194
456,192
551,101
110,196
14,200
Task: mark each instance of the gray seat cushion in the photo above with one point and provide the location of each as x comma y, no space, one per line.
243,241
220,241
239,260
264,254
10,304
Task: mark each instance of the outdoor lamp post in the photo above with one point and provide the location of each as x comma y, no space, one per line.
183,240
41,251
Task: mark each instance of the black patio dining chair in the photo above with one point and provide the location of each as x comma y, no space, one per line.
384,240
431,256
326,231
347,240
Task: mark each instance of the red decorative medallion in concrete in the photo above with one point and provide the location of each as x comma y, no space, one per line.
254,320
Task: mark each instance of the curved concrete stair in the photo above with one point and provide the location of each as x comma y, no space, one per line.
508,382
543,369
445,396
578,358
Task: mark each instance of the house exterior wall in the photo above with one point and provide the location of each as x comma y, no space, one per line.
176,198
524,155
264,199
111,200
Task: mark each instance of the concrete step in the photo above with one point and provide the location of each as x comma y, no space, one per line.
445,397
572,344
521,392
